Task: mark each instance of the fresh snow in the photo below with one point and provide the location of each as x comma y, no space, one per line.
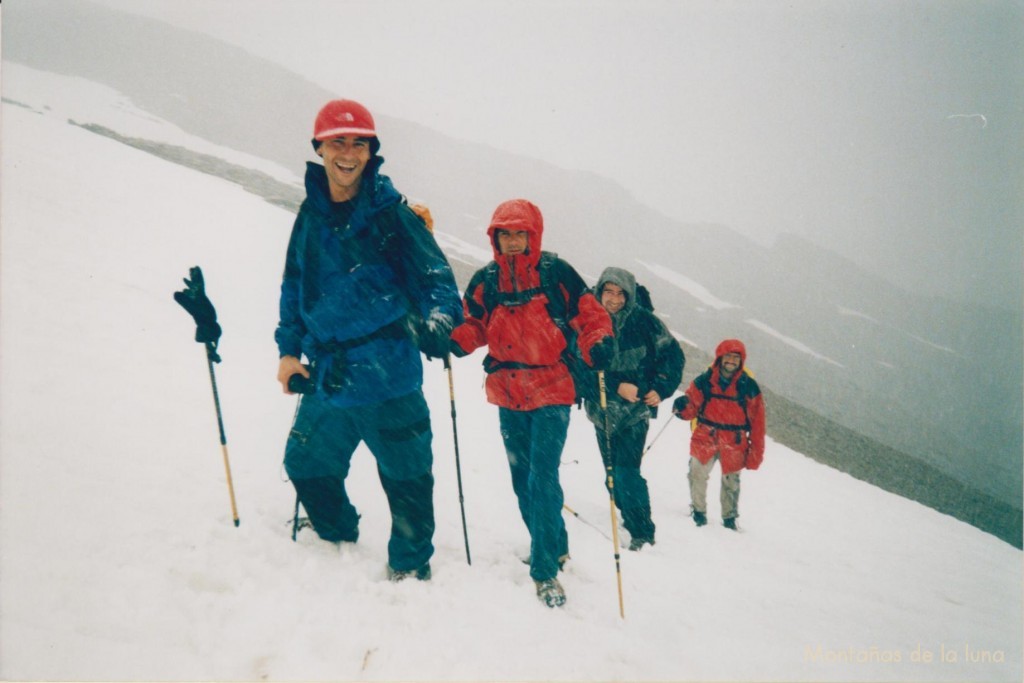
120,562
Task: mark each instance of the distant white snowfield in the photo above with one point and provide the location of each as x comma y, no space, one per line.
118,559
789,341
693,288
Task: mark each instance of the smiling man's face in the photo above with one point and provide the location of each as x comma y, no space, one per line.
345,159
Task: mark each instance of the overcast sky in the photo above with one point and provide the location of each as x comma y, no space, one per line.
765,116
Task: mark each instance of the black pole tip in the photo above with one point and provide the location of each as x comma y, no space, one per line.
237,522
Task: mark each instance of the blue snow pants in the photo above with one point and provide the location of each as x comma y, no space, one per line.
397,432
533,442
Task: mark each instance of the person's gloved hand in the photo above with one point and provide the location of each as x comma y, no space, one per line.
455,349
434,334
602,353
193,299
679,405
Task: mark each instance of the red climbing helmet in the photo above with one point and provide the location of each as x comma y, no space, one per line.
343,117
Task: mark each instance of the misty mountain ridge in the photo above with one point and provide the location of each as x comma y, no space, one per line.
914,373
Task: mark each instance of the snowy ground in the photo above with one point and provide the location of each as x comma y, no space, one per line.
120,562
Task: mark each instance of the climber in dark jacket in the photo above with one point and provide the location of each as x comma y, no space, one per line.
646,369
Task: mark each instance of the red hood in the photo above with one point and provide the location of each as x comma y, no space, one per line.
731,346
518,214
517,272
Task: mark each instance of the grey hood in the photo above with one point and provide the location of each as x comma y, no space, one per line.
619,277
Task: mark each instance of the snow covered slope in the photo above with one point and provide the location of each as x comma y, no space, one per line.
119,560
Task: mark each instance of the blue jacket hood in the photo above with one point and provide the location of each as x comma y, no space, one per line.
376,192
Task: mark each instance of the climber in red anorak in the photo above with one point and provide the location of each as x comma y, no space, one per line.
729,409
529,309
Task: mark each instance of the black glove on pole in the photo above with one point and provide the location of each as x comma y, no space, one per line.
458,467
193,299
611,483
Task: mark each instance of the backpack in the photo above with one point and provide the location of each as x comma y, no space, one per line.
643,298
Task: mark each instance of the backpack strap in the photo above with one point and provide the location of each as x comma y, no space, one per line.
389,236
549,286
557,306
710,393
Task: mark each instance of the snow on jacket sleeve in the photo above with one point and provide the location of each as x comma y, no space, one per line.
290,328
425,270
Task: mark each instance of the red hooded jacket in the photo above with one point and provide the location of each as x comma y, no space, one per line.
730,420
525,345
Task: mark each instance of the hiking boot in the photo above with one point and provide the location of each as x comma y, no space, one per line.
550,592
420,574
699,518
638,543
729,523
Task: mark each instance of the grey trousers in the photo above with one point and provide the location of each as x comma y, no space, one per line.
729,496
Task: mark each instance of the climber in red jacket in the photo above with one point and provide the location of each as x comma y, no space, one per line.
528,307
729,409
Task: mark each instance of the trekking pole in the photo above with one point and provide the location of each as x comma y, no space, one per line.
194,300
590,524
651,445
295,520
210,355
295,517
458,466
611,484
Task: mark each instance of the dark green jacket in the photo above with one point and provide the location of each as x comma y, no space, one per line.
647,355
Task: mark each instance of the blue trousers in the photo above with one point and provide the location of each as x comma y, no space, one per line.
397,432
533,442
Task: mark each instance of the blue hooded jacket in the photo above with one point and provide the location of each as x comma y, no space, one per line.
345,281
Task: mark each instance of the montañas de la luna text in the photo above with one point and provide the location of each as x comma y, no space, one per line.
945,654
